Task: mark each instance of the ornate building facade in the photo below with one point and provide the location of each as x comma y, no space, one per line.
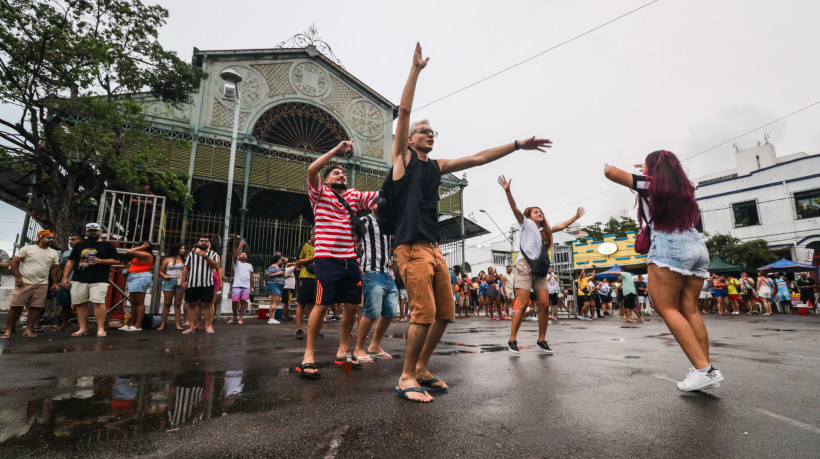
296,104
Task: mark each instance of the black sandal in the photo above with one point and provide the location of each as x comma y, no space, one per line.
306,366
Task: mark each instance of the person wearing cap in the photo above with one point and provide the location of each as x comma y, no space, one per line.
32,266
90,261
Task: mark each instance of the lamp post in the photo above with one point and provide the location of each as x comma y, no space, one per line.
232,79
512,231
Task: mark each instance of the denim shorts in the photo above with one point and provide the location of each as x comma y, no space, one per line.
275,289
171,285
139,282
381,298
680,251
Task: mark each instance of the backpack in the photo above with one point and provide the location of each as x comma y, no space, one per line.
389,196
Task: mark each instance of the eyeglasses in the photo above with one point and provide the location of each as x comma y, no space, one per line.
425,131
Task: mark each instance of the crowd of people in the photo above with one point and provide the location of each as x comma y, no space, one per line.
369,270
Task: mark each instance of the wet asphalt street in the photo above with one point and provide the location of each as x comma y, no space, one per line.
607,392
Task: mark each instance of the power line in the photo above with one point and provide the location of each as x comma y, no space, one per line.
699,153
535,56
567,41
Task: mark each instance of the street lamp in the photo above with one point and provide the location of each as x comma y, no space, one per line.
502,232
231,89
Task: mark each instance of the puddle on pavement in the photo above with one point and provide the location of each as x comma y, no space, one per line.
83,411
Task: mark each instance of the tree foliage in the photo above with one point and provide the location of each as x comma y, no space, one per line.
751,254
619,228
71,69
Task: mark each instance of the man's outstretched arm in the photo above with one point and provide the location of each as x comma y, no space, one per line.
316,166
490,155
400,154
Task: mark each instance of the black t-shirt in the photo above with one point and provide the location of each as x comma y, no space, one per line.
805,285
640,287
96,273
418,213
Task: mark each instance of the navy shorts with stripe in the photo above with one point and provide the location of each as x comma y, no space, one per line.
338,280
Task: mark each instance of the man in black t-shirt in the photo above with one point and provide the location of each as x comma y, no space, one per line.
91,261
806,285
416,179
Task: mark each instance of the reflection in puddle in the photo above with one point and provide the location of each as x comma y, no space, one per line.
88,410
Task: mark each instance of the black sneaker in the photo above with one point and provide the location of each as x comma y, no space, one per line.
512,346
299,334
544,347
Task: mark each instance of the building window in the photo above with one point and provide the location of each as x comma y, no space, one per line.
745,213
807,204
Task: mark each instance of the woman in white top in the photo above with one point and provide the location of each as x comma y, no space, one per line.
536,235
764,291
171,273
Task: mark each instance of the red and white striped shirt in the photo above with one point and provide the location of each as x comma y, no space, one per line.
334,233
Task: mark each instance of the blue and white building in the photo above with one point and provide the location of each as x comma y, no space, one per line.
767,197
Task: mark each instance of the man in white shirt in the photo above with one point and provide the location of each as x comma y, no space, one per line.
242,284
32,265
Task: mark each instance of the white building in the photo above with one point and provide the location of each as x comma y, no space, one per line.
766,197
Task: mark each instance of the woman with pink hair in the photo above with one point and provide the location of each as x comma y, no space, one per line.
677,260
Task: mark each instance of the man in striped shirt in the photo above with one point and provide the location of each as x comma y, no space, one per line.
338,279
381,297
198,283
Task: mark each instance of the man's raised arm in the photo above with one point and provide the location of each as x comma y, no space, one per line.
490,155
316,166
400,153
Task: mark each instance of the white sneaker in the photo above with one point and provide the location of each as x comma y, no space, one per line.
693,370
273,322
735,313
696,380
128,328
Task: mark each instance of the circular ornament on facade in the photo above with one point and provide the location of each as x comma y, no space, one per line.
252,88
310,79
607,248
366,119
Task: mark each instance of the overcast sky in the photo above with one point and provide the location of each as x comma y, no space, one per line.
679,75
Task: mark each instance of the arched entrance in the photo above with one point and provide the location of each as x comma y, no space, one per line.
300,126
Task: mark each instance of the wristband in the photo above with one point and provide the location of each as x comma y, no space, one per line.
507,189
516,145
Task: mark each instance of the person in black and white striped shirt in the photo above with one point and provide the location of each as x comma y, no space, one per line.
381,297
198,282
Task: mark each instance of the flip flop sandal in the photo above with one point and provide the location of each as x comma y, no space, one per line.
380,356
29,335
79,333
367,359
188,331
308,366
5,336
101,334
209,330
403,393
428,384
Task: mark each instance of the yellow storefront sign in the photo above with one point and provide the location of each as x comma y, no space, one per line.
609,251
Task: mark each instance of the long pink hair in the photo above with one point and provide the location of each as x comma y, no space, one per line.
672,202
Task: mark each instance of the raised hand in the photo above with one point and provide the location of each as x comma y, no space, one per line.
418,61
580,212
535,144
344,147
504,182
